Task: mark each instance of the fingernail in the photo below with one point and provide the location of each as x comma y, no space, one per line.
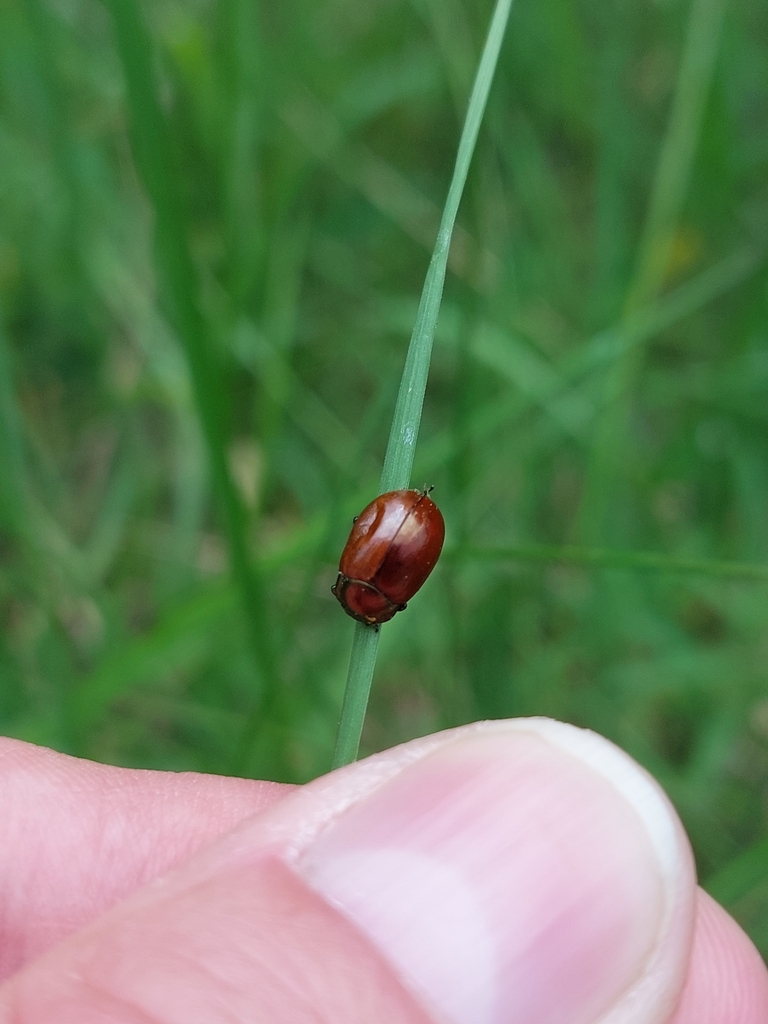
511,875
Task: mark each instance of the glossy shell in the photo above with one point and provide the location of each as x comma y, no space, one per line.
393,547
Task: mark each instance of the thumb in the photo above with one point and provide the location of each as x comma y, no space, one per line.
510,871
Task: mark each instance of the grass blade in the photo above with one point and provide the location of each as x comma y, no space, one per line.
673,173
13,488
154,157
604,558
744,873
362,661
677,154
398,461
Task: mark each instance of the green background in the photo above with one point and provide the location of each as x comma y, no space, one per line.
215,220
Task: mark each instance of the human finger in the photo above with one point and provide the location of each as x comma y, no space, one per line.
77,837
506,871
727,981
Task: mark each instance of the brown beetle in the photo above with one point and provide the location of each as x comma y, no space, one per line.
393,547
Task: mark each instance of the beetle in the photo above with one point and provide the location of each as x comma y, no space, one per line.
394,545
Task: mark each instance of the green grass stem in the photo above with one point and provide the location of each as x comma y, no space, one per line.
398,461
362,661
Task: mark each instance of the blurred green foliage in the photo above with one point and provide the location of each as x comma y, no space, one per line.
215,220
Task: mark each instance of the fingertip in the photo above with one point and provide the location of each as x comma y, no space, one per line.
544,872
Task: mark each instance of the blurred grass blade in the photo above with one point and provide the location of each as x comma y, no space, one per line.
664,312
744,873
595,357
385,188
154,157
13,490
109,529
607,559
172,643
673,172
398,461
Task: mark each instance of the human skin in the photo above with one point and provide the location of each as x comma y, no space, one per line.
502,872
